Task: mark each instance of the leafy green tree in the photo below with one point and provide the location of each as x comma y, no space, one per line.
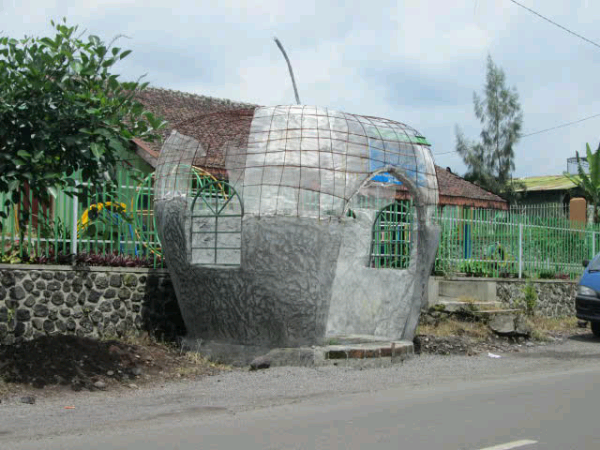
490,161
589,182
64,116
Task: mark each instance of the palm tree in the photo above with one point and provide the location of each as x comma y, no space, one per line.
589,182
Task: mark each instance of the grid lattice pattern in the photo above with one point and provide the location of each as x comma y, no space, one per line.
301,161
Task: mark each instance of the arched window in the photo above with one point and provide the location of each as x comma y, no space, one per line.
390,244
216,225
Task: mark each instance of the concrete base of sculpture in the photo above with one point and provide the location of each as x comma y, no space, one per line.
343,351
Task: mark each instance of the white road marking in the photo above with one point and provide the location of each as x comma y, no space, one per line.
509,445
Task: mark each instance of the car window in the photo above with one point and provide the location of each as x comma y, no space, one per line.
595,264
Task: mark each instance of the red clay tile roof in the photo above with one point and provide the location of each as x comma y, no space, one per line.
217,130
176,107
454,190
188,113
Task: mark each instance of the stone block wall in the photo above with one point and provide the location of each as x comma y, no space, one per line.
555,298
92,302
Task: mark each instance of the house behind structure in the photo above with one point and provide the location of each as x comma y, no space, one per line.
554,195
178,107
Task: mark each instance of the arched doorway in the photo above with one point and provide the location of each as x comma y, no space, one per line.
391,236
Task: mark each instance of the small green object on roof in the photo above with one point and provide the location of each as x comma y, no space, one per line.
422,140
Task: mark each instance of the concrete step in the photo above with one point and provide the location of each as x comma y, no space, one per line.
497,312
456,305
480,290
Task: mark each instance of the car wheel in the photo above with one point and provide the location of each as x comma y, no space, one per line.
596,328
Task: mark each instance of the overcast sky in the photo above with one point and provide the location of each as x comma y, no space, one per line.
414,61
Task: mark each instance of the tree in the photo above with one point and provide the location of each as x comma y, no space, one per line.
490,161
64,116
589,183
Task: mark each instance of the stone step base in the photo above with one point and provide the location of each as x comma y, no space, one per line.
374,354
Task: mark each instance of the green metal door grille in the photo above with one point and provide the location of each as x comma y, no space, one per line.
390,244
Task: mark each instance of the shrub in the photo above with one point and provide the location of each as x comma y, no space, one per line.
529,300
547,275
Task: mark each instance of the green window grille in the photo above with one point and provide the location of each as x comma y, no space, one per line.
390,244
216,225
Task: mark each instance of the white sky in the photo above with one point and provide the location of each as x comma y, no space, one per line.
415,61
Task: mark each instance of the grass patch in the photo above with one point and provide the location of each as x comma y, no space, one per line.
539,336
3,388
139,338
451,327
194,364
544,329
197,359
554,324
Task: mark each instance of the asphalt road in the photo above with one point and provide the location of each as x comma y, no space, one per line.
549,404
558,411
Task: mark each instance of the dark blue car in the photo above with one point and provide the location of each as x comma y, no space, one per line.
587,302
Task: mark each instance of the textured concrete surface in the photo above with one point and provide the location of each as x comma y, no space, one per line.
292,285
366,300
278,297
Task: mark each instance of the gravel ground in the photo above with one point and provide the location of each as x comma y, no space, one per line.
234,391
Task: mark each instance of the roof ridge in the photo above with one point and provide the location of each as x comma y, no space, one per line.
198,96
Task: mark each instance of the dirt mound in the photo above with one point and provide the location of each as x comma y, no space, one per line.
84,363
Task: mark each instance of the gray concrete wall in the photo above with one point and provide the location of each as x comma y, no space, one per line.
478,289
367,300
280,294
377,301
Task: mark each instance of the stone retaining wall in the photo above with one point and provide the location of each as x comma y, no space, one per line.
93,302
555,298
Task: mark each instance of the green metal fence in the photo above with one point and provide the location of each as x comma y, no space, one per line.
534,242
119,222
513,243
526,241
529,241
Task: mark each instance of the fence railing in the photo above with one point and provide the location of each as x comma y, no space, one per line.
104,223
533,241
514,243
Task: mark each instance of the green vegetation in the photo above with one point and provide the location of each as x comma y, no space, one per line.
529,299
65,117
490,161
